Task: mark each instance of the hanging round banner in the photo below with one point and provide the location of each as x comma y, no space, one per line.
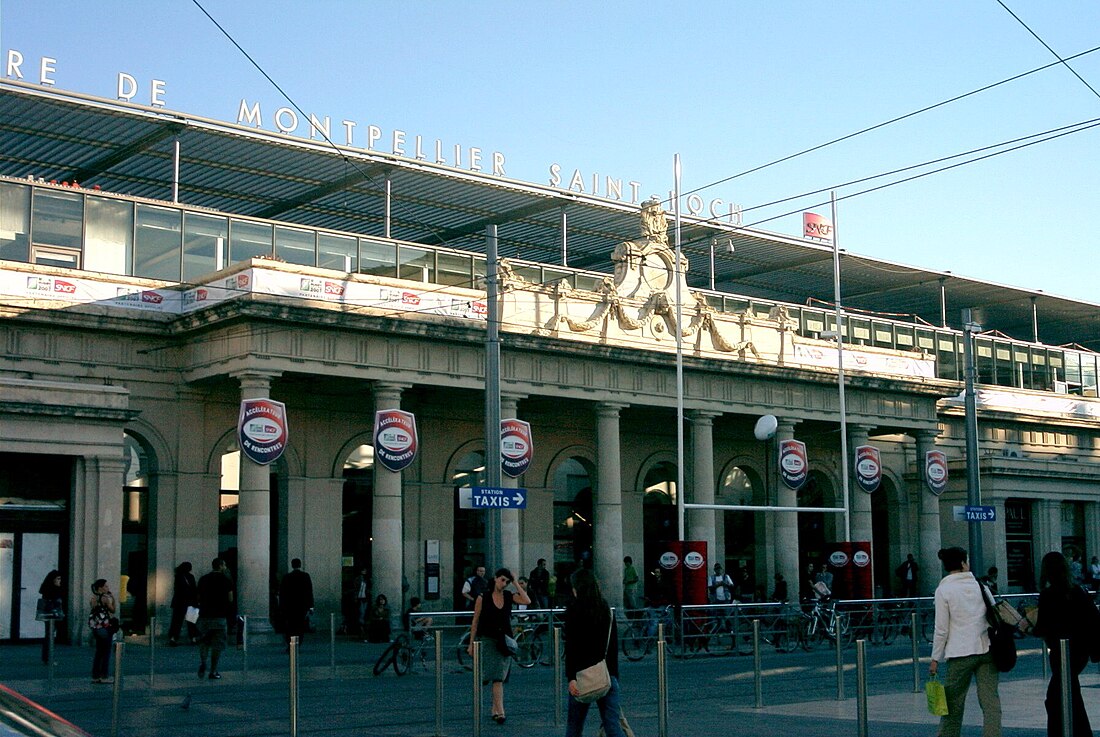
935,471
794,469
868,468
262,430
516,448
395,441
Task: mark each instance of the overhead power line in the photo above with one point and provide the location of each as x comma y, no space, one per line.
1048,48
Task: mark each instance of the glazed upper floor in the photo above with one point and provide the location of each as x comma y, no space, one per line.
95,231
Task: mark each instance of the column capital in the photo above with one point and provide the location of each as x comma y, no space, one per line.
390,390
702,416
255,379
510,401
856,427
786,424
928,436
610,409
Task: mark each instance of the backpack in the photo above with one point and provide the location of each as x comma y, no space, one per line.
100,618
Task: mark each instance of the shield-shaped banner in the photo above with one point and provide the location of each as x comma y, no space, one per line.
868,468
516,448
794,469
395,441
262,430
935,471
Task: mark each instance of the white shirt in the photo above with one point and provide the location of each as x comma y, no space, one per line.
961,627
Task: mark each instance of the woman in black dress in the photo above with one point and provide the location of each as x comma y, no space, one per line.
591,636
185,594
51,593
492,621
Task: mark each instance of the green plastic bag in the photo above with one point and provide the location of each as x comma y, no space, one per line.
937,699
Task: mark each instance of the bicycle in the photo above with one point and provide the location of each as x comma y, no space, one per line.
823,622
708,632
402,653
529,648
640,634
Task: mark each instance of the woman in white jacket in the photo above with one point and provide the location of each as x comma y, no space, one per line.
962,639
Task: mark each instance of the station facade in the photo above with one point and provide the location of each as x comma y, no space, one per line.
134,326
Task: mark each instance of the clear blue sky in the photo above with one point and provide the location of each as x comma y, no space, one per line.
618,88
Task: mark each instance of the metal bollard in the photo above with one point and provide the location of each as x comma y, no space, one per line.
758,678
49,655
1045,654
294,686
477,687
332,643
1067,698
839,664
559,677
152,650
243,624
439,683
662,691
861,688
916,652
117,698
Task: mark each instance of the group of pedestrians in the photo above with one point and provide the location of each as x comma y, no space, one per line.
961,639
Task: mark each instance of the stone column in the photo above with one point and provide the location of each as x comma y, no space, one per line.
701,521
254,583
860,500
386,529
785,543
509,518
930,541
97,498
608,528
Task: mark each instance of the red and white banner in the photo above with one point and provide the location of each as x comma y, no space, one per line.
262,430
817,227
516,448
794,468
935,471
868,468
395,440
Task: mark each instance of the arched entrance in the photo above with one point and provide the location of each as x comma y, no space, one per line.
137,493
741,485
469,524
357,517
659,522
817,492
882,559
572,521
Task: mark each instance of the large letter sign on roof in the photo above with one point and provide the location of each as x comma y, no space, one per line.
395,441
262,430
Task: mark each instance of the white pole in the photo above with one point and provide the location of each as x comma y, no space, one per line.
840,378
679,367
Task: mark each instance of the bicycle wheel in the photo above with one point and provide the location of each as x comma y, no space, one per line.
787,635
386,657
813,633
634,643
891,628
402,659
842,628
721,642
461,655
529,648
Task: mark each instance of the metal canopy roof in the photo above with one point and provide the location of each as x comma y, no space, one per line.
128,149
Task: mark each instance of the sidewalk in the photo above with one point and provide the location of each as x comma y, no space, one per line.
707,697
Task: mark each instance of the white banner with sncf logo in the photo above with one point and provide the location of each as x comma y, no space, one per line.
262,430
794,468
516,448
868,468
395,440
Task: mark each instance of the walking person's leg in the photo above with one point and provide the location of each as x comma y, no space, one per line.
988,696
610,711
955,685
574,721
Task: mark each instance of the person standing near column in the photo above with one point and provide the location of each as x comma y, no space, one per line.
295,601
215,604
539,585
962,639
102,605
184,594
630,584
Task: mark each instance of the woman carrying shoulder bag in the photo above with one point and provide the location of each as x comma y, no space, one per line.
962,639
591,637
492,622
102,605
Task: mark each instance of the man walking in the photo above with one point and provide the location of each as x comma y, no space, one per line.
215,604
295,601
908,573
474,587
538,585
630,584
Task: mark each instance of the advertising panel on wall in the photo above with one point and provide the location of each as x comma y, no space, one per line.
868,468
935,471
395,439
850,564
794,468
262,430
683,568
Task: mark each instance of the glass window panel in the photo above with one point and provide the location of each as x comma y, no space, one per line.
204,239
861,330
15,221
904,337
158,242
379,259
987,370
926,339
337,252
62,258
479,272
761,309
1088,375
532,274
57,218
947,358
590,283
248,240
454,269
812,321
714,300
735,305
109,235
550,276
415,264
296,246
884,335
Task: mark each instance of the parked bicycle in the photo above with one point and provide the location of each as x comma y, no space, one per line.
405,652
823,622
529,647
638,633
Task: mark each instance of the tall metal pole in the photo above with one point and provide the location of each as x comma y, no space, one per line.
677,273
176,170
840,379
973,487
492,396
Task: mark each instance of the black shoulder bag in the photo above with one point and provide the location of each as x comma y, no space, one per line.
1002,636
